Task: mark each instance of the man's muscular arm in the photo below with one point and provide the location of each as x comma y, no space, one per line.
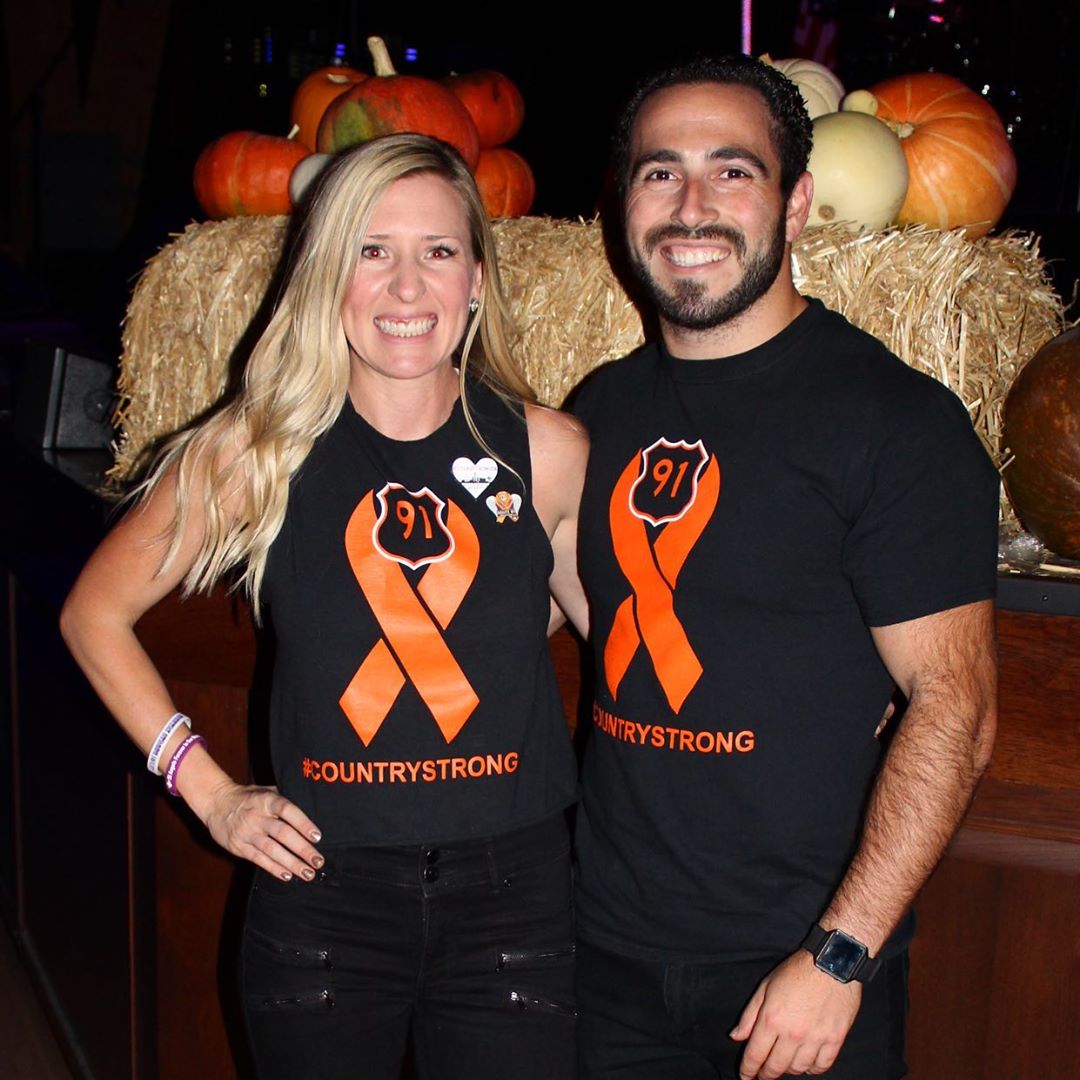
946,666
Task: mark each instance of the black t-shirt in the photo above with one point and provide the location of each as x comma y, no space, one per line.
744,521
413,695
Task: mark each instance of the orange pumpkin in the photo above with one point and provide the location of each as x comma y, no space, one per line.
390,103
314,93
246,173
961,168
506,183
494,103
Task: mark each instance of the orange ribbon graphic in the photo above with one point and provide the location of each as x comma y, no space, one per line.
648,614
413,644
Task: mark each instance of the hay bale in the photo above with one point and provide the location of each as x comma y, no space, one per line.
968,313
190,308
570,312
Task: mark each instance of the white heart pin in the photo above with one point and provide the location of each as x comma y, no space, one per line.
474,476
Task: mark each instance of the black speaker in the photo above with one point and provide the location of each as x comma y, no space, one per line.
65,400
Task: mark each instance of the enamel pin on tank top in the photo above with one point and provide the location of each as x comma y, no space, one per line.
659,508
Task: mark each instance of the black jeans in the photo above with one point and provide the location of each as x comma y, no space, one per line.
468,947
650,1021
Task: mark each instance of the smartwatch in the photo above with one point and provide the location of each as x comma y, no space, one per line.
840,956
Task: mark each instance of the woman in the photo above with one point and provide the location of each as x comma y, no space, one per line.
397,517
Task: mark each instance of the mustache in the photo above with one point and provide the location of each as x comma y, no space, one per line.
659,233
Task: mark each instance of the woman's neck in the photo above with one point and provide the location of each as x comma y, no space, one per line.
405,409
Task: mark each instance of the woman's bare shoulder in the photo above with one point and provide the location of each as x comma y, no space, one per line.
553,431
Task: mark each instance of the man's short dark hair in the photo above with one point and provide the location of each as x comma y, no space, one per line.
791,130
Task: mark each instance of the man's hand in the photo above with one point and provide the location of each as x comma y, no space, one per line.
796,1021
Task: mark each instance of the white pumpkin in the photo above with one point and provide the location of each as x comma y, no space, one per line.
821,90
305,171
860,101
859,169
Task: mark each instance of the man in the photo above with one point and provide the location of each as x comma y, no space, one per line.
781,522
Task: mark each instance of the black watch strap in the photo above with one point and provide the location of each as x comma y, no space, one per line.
841,956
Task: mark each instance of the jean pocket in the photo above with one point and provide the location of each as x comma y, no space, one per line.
288,954
284,974
545,889
539,980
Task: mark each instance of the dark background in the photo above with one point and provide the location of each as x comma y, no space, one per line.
107,103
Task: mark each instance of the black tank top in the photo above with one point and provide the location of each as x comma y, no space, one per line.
414,698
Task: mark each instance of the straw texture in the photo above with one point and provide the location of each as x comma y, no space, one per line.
968,313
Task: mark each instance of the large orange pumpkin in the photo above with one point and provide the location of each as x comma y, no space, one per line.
390,103
494,103
961,168
506,183
314,93
246,173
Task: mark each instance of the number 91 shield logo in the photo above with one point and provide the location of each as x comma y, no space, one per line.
667,485
411,526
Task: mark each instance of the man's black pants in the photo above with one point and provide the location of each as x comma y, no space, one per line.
651,1021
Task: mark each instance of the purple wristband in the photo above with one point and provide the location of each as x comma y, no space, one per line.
177,758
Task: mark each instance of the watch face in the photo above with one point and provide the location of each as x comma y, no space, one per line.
840,955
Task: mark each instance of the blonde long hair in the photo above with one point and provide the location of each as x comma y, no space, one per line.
295,381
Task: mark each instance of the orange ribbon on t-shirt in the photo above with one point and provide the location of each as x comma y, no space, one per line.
648,614
413,644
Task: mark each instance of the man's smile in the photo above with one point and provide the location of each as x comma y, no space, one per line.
683,255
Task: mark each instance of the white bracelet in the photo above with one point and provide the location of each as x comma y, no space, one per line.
153,759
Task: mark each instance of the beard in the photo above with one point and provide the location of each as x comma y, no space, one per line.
688,304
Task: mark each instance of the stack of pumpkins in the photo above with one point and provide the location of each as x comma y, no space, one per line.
338,107
920,148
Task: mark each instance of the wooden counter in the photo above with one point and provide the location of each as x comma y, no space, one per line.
995,972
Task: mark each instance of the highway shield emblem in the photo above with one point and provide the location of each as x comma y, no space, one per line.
411,526
667,484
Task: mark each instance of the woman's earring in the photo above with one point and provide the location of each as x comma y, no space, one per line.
474,306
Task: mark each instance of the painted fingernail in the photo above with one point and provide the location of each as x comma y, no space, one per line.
286,876
308,873
316,836
317,862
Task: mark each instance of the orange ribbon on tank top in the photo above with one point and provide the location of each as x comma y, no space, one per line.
413,644
648,614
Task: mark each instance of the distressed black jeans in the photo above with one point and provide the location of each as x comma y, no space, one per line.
465,948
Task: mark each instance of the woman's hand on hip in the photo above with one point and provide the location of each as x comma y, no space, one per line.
258,824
